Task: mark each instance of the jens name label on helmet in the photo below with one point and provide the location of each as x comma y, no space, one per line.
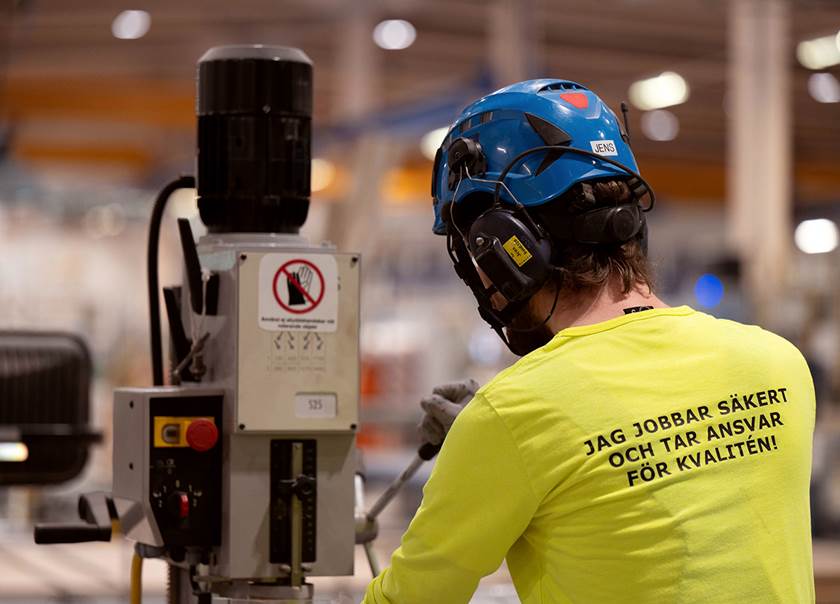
606,147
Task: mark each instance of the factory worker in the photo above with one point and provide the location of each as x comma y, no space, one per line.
637,452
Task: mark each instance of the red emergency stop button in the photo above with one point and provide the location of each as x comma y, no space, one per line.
202,435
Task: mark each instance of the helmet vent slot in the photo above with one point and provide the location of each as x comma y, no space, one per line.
561,86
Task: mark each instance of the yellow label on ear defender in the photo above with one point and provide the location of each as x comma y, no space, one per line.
518,252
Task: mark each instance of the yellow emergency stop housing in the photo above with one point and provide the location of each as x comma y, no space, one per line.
172,431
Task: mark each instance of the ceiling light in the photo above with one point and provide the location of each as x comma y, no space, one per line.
131,24
660,125
394,34
824,88
666,89
16,452
431,141
816,236
323,173
819,53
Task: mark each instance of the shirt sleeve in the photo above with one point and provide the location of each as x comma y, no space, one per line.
476,503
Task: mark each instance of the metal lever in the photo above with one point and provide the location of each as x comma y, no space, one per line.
426,452
366,525
194,273
194,352
96,509
47,533
180,342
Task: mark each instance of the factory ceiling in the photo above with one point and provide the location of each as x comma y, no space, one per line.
73,92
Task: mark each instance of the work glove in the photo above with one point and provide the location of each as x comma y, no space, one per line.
443,406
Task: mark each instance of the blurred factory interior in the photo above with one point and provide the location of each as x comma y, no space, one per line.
734,118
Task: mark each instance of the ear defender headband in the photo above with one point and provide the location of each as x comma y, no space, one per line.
512,250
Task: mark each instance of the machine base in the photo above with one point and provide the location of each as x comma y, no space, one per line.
275,594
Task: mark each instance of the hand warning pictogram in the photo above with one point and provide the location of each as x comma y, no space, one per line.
299,283
304,286
298,292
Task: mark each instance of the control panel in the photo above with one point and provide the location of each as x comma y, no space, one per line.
185,469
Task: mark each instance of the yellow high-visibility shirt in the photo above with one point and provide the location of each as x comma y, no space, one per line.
661,456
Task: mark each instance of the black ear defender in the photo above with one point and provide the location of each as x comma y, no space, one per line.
612,224
606,224
512,251
464,155
582,222
509,247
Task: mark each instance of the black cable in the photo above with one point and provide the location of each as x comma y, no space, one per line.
624,111
518,158
184,182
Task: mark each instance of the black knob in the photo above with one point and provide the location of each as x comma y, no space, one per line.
304,486
178,505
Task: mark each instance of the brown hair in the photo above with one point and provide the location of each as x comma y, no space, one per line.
585,267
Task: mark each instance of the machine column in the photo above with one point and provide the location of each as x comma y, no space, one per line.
759,165
514,40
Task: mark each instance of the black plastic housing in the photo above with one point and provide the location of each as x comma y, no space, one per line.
254,138
45,404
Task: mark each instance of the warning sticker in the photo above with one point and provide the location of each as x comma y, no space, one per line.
298,292
517,251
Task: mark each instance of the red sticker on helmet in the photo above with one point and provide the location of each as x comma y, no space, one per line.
578,99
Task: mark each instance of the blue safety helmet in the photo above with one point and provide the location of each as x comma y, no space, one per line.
520,117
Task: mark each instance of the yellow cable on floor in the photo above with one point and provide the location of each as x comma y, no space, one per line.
136,579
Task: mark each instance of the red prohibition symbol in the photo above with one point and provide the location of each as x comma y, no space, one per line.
312,302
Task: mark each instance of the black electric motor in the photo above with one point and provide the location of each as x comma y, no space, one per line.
254,138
